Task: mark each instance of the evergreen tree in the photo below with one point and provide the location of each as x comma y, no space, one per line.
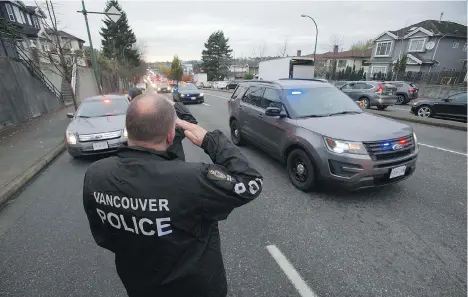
176,69
216,56
118,39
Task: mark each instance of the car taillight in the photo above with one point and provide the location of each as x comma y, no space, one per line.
411,90
380,89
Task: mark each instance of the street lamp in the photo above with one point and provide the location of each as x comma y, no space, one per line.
316,33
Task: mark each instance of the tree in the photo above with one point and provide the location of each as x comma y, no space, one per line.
249,75
118,40
166,71
176,69
283,51
61,57
361,45
216,56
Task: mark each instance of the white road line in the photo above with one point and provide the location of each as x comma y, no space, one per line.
443,149
290,272
217,96
206,104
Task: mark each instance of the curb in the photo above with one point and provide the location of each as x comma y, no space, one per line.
17,184
415,119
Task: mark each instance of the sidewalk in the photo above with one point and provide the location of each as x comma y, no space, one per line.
29,147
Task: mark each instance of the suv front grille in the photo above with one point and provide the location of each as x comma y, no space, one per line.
385,149
99,136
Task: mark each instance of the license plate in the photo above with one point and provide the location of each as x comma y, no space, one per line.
100,146
398,171
390,93
193,98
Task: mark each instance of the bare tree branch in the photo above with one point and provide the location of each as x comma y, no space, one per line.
283,51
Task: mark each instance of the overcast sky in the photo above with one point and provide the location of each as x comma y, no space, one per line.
166,28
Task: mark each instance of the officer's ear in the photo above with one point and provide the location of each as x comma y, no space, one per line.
170,136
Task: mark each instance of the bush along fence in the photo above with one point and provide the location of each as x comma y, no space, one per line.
431,78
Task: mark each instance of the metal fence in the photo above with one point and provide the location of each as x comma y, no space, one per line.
430,78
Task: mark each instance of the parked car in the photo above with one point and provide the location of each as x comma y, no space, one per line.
220,85
406,91
141,86
98,126
371,93
207,84
232,84
187,92
321,134
452,107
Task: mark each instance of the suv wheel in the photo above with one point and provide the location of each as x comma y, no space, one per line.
301,170
236,136
364,103
401,99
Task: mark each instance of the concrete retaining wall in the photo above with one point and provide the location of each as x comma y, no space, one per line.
22,95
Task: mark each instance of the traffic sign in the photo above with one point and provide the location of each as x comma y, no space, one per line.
113,14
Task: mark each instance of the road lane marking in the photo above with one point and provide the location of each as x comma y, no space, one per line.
206,104
217,96
443,149
290,272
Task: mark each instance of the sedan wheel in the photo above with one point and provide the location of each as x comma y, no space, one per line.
301,170
424,111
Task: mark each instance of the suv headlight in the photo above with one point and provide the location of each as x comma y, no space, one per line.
71,137
201,94
341,146
125,133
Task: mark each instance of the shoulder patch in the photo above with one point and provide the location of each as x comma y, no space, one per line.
221,175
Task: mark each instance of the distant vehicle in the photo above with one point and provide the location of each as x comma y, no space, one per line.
98,126
141,86
232,84
220,85
200,79
207,84
289,67
163,87
321,134
371,93
188,93
406,91
453,107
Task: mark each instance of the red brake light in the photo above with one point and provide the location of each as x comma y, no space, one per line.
403,141
411,90
380,89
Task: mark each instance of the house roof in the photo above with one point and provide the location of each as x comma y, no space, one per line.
436,27
64,34
345,54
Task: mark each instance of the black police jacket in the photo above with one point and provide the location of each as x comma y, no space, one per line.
159,215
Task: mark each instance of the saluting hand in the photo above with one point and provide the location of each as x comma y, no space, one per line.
193,132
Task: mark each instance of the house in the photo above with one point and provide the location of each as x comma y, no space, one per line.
352,58
430,46
67,41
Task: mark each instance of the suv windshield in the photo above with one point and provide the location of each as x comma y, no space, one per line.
102,108
320,102
187,87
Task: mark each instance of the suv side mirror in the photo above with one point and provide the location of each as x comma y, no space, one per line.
70,115
272,111
447,99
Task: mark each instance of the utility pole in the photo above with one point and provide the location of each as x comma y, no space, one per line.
109,14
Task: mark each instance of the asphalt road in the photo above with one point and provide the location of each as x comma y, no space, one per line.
404,240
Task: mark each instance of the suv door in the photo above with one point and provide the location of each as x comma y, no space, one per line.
361,88
348,89
270,130
249,111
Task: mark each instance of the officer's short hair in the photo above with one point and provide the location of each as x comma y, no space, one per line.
150,118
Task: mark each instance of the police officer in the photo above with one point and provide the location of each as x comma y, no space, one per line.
158,214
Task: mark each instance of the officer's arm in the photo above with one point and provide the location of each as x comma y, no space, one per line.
228,183
184,114
98,230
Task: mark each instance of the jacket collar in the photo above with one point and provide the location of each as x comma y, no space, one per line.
126,151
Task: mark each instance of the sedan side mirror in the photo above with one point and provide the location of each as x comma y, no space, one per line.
70,115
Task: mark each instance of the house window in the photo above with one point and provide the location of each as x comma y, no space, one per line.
341,63
18,14
35,22
417,45
377,69
383,49
28,17
11,15
455,45
464,48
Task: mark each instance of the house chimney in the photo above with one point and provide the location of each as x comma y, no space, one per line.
441,15
335,49
298,53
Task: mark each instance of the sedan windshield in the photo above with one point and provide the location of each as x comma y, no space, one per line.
102,108
188,87
315,102
163,85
